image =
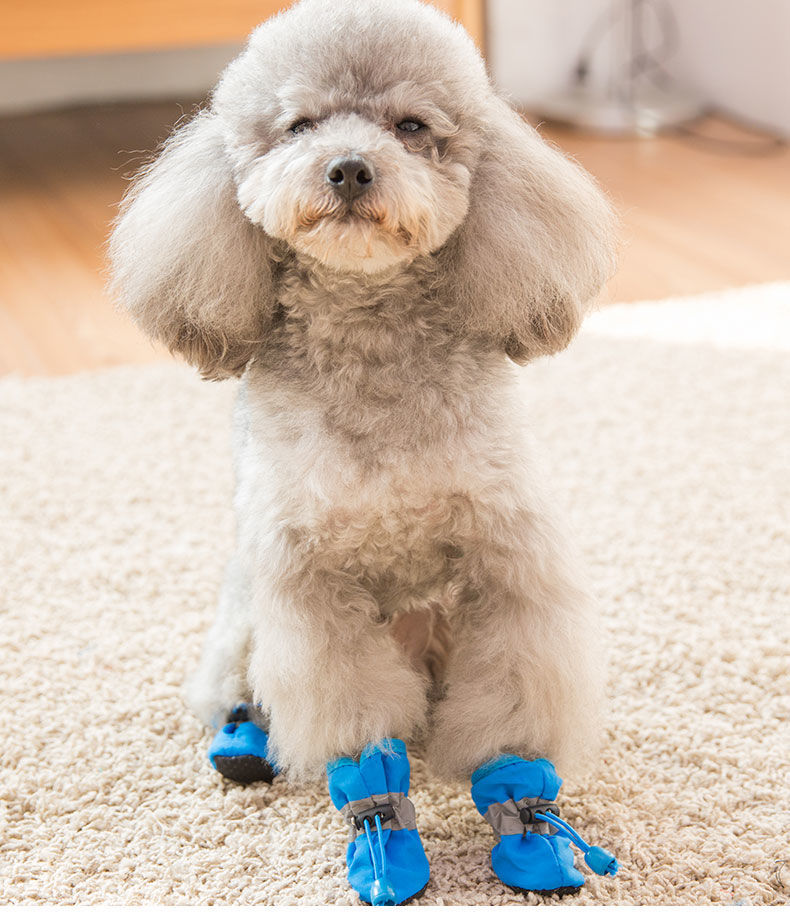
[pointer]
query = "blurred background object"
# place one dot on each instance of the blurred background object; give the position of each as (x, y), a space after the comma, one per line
(719, 55)
(638, 96)
(89, 88)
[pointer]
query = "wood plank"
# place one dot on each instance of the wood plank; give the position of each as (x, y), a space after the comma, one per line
(47, 28)
(471, 14)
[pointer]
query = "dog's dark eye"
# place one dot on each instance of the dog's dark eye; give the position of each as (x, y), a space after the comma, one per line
(410, 125)
(304, 124)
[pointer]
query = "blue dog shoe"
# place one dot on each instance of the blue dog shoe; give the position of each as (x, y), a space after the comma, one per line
(516, 798)
(386, 861)
(240, 749)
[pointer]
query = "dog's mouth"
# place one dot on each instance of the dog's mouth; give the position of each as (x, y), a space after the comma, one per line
(340, 212)
(364, 215)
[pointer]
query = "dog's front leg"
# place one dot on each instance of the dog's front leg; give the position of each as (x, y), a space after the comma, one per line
(327, 669)
(339, 689)
(524, 675)
(523, 685)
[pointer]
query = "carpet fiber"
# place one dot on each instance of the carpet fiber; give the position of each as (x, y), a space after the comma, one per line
(667, 438)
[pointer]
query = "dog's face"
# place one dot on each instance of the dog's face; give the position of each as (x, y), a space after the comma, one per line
(359, 156)
(359, 191)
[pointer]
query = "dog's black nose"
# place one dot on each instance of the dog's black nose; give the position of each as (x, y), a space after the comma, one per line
(350, 176)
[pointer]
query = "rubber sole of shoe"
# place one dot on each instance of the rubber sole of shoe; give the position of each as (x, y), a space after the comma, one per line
(409, 899)
(560, 891)
(244, 769)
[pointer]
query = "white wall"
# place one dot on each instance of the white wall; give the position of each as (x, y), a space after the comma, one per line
(737, 54)
(533, 44)
(734, 54)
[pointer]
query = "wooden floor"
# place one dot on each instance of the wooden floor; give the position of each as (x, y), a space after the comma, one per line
(693, 221)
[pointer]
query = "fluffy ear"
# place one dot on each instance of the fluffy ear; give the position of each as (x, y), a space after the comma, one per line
(186, 262)
(536, 245)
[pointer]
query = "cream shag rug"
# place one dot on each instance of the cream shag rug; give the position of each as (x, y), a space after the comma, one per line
(666, 427)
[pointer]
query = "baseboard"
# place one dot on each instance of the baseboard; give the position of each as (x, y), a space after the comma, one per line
(34, 84)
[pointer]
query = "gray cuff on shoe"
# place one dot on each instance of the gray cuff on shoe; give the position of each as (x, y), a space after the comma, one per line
(506, 819)
(400, 815)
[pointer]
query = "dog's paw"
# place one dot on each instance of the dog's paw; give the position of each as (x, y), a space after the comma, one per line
(240, 750)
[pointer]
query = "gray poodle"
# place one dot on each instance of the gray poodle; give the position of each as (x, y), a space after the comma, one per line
(361, 229)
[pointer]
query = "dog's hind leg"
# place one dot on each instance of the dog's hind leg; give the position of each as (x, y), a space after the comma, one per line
(218, 690)
(220, 681)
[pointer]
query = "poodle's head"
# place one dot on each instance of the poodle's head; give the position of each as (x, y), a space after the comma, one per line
(360, 135)
(353, 130)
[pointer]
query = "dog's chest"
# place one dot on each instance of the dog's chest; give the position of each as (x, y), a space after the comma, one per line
(410, 548)
(376, 378)
(374, 431)
(396, 521)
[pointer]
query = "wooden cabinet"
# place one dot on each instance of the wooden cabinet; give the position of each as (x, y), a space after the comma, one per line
(46, 28)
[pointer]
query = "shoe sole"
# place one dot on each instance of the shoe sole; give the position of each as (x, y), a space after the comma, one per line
(560, 891)
(244, 769)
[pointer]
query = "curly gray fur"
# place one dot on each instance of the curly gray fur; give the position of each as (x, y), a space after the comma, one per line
(398, 567)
